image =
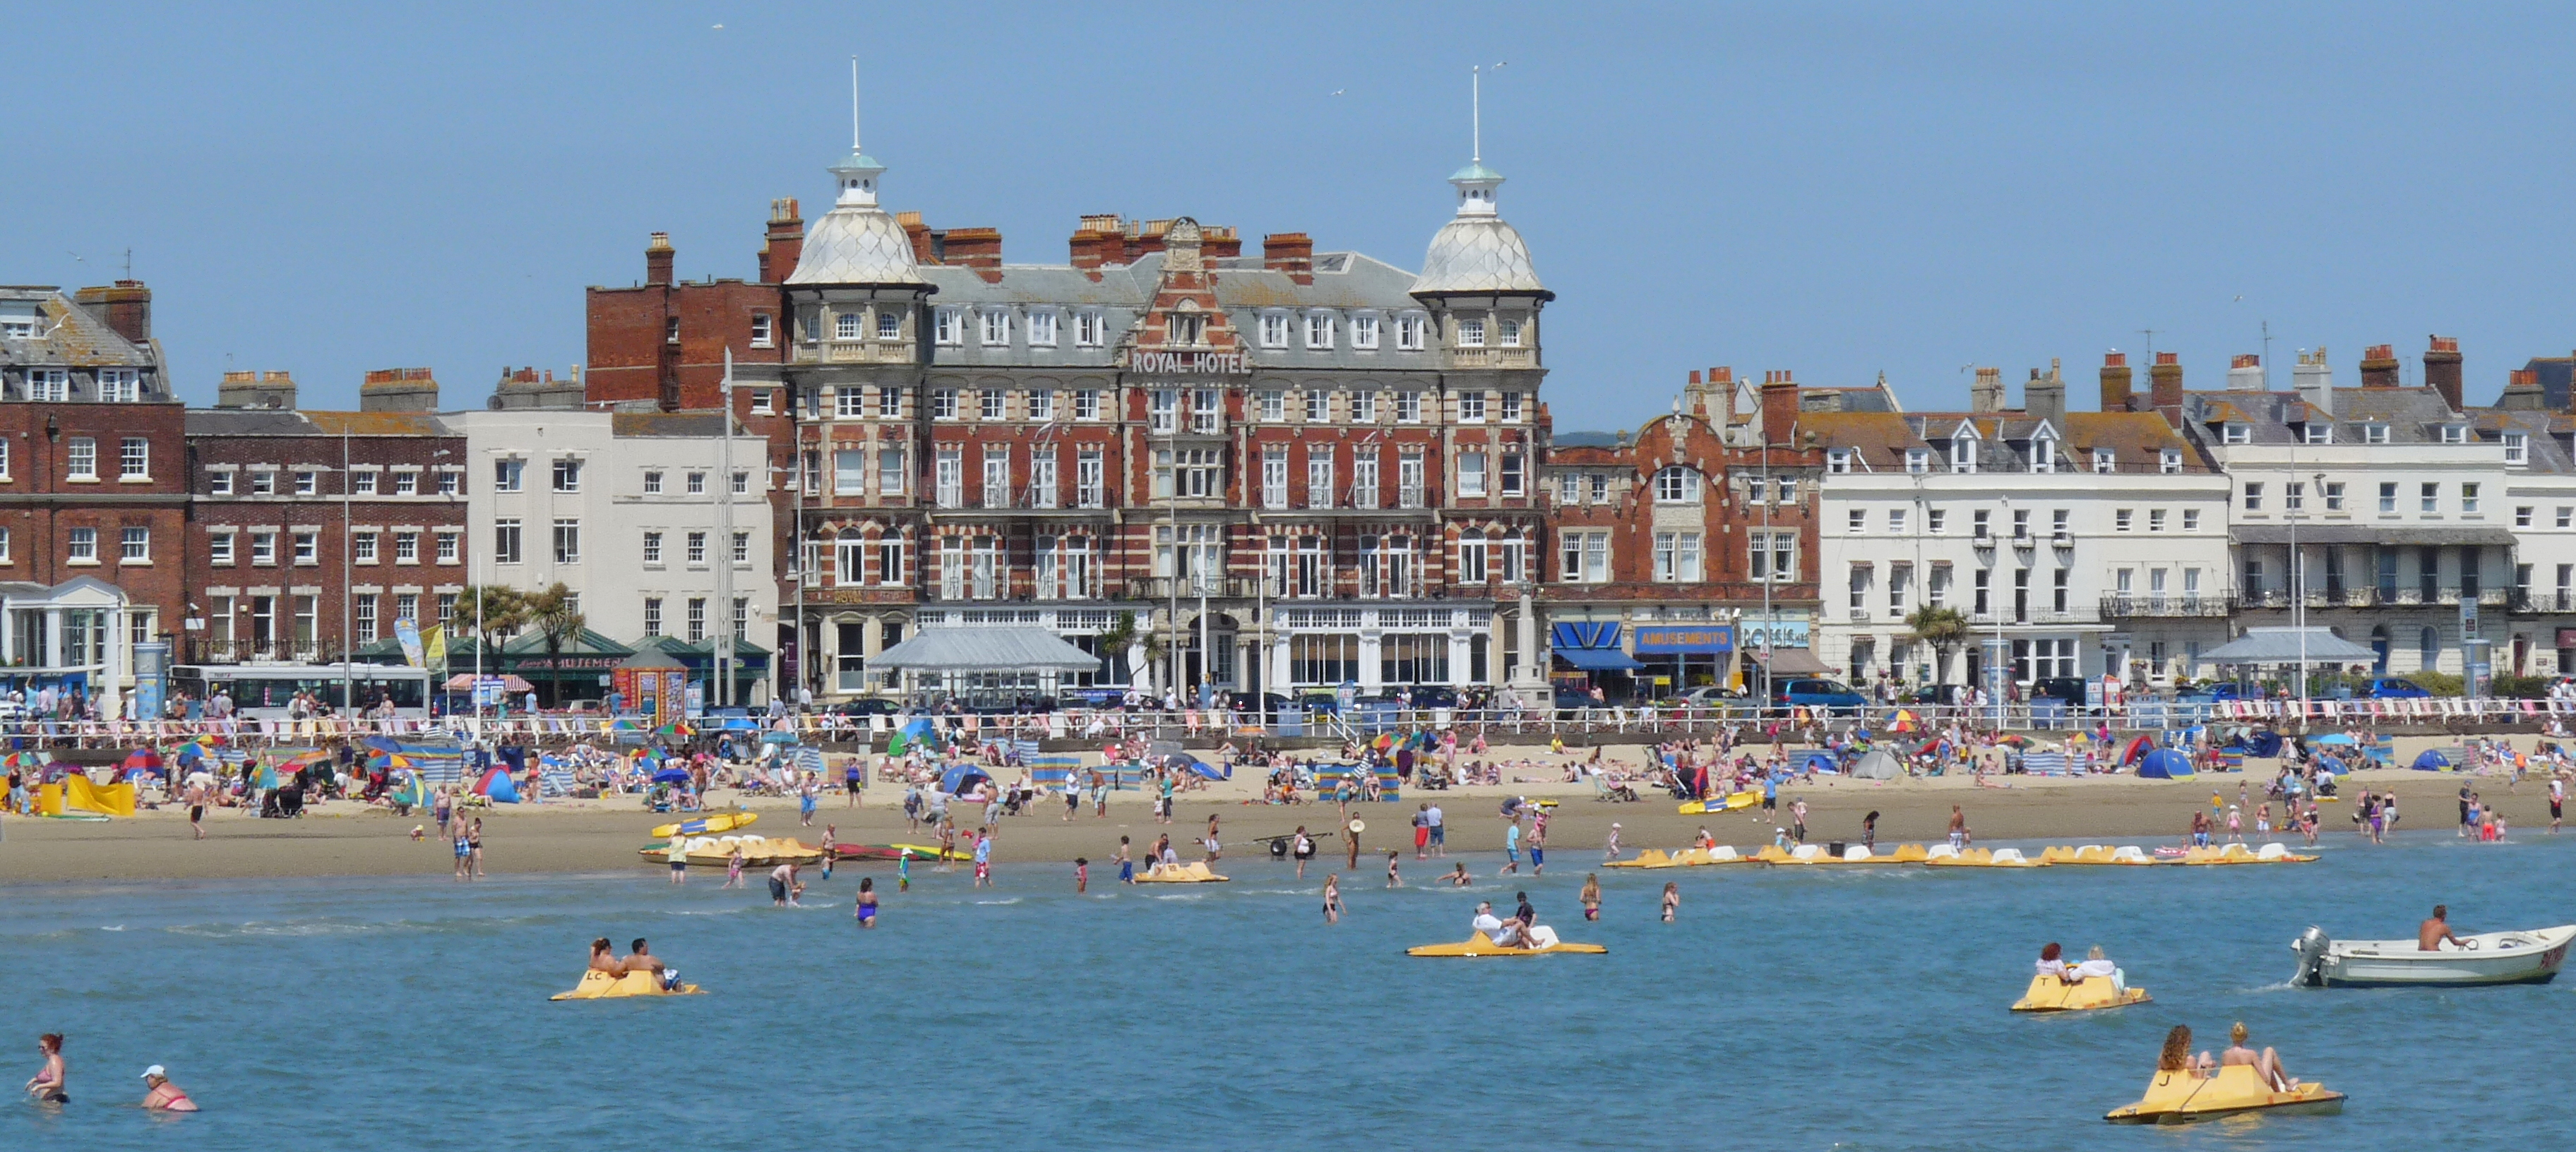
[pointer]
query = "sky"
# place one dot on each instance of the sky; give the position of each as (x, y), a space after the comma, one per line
(1839, 190)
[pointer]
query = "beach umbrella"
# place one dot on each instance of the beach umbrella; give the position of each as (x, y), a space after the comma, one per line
(675, 728)
(385, 762)
(1904, 721)
(141, 760)
(2015, 739)
(670, 776)
(24, 761)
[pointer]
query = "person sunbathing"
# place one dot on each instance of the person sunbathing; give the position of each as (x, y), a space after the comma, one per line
(2266, 1063)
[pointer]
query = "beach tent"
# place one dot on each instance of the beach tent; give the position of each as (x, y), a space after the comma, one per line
(2263, 743)
(1878, 765)
(959, 779)
(2432, 760)
(1819, 761)
(2137, 750)
(2165, 764)
(917, 730)
(496, 784)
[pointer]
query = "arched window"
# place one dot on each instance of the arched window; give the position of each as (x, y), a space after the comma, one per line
(2379, 649)
(1677, 485)
(2428, 648)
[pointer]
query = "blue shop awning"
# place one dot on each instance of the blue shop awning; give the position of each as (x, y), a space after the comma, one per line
(1598, 659)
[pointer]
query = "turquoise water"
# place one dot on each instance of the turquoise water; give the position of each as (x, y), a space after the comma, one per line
(1787, 1009)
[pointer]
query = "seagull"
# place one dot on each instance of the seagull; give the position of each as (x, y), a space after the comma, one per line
(719, 27)
(1339, 91)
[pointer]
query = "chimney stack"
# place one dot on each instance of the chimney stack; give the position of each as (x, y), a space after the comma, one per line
(1779, 406)
(1099, 240)
(2315, 381)
(2044, 397)
(2379, 366)
(1987, 394)
(2442, 369)
(2164, 387)
(256, 390)
(2245, 373)
(1294, 254)
(657, 259)
(2522, 392)
(2116, 392)
(972, 247)
(784, 245)
(125, 307)
(398, 390)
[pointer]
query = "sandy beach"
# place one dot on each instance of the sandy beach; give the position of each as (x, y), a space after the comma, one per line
(342, 838)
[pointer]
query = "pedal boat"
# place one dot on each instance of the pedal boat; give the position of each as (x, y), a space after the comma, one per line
(2050, 994)
(597, 985)
(1942, 855)
(1195, 872)
(2181, 1098)
(1477, 945)
(2126, 854)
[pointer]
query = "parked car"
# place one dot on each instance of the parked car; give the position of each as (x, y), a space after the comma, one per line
(1269, 703)
(1570, 698)
(1321, 702)
(1708, 697)
(1938, 694)
(2066, 688)
(866, 706)
(1807, 692)
(2396, 688)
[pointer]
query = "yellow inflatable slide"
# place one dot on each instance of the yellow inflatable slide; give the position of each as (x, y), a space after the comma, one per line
(77, 794)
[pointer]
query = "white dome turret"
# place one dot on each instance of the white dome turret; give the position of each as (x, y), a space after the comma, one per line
(1476, 251)
(856, 242)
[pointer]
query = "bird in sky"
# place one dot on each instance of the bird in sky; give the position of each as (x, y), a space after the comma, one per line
(1339, 91)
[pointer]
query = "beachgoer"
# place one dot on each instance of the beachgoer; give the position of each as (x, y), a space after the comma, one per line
(2266, 1063)
(779, 879)
(733, 867)
(1394, 879)
(1672, 901)
(1422, 832)
(160, 1095)
(1439, 830)
(2051, 965)
(1081, 875)
(474, 844)
(1798, 820)
(1488, 925)
(2176, 1054)
(1458, 878)
(1333, 898)
(1869, 830)
(642, 959)
(1958, 828)
(1610, 847)
(2430, 934)
(1591, 897)
(1538, 846)
(1126, 864)
(1302, 847)
(903, 870)
(1511, 849)
(464, 852)
(677, 850)
(603, 958)
(983, 858)
(1351, 842)
(867, 906)
(50, 1083)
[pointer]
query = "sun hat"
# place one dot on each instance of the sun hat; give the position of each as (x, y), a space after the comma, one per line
(155, 1070)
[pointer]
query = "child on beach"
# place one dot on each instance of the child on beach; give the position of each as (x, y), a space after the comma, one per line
(1393, 880)
(1081, 875)
(1672, 901)
(1610, 850)
(733, 867)
(1511, 849)
(1591, 897)
(983, 858)
(1126, 866)
(903, 871)
(831, 837)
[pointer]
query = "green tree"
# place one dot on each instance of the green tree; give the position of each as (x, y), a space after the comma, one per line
(490, 610)
(1943, 628)
(555, 614)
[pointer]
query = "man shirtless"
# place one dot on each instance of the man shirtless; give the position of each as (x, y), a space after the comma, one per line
(643, 960)
(2430, 934)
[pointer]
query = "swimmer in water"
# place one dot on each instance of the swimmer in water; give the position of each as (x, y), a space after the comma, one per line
(160, 1095)
(867, 910)
(49, 1081)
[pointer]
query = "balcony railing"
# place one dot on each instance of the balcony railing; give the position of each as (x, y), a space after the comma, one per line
(206, 650)
(2562, 600)
(2152, 604)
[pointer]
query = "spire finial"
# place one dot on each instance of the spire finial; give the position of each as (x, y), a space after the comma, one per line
(1476, 112)
(854, 105)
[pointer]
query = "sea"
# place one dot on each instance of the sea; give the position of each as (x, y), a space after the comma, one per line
(1785, 1009)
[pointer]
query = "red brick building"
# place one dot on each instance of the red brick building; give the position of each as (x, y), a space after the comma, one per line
(314, 532)
(93, 464)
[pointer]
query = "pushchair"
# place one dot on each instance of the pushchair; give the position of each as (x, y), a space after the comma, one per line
(283, 803)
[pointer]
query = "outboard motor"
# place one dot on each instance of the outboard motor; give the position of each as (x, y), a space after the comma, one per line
(2310, 948)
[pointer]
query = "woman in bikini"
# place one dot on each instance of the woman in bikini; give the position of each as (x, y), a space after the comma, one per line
(1333, 898)
(160, 1095)
(1591, 896)
(48, 1083)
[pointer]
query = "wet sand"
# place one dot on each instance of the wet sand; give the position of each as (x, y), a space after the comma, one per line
(339, 839)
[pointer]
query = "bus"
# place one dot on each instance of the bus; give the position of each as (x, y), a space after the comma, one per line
(262, 691)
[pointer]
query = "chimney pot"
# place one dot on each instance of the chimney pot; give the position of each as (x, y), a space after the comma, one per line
(2118, 391)
(2379, 366)
(2164, 387)
(1289, 252)
(2442, 369)
(657, 259)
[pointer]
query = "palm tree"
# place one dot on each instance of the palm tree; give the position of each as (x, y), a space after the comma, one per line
(556, 615)
(1943, 628)
(491, 610)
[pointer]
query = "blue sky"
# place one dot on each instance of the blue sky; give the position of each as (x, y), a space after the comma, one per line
(1837, 189)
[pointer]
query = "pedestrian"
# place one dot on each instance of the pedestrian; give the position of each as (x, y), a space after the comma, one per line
(1798, 820)
(1302, 847)
(1439, 831)
(1958, 828)
(1869, 830)
(983, 858)
(854, 778)
(197, 809)
(1126, 864)
(805, 804)
(1591, 896)
(733, 867)
(1072, 796)
(1393, 880)
(781, 880)
(2557, 801)
(1351, 840)
(1422, 832)
(1672, 901)
(1333, 899)
(903, 870)
(1511, 849)
(866, 912)
(1538, 847)
(464, 852)
(1081, 875)
(475, 842)
(677, 849)
(1610, 848)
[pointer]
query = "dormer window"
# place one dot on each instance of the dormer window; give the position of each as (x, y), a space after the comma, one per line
(1838, 462)
(1676, 485)
(889, 324)
(2319, 433)
(2169, 461)
(951, 329)
(1186, 328)
(1319, 330)
(2455, 433)
(1408, 333)
(1918, 460)
(2043, 455)
(2374, 433)
(1364, 330)
(2236, 433)
(996, 327)
(1274, 329)
(1963, 454)
(2517, 449)
(2105, 460)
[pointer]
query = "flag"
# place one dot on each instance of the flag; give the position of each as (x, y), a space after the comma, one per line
(433, 646)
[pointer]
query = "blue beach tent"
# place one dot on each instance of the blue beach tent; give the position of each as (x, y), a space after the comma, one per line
(2432, 761)
(2165, 764)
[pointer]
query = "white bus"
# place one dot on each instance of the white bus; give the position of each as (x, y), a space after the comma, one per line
(262, 691)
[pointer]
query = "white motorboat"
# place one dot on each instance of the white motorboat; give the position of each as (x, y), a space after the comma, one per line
(2487, 958)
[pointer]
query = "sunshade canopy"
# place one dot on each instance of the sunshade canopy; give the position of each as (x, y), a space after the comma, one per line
(1598, 659)
(1791, 662)
(2283, 646)
(985, 650)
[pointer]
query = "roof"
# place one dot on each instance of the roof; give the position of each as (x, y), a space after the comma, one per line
(379, 424)
(985, 650)
(1880, 440)
(292, 422)
(2412, 415)
(856, 244)
(2285, 646)
(635, 424)
(1477, 254)
(1597, 659)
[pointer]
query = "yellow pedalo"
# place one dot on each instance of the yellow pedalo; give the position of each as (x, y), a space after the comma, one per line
(2181, 1098)
(2049, 994)
(597, 985)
